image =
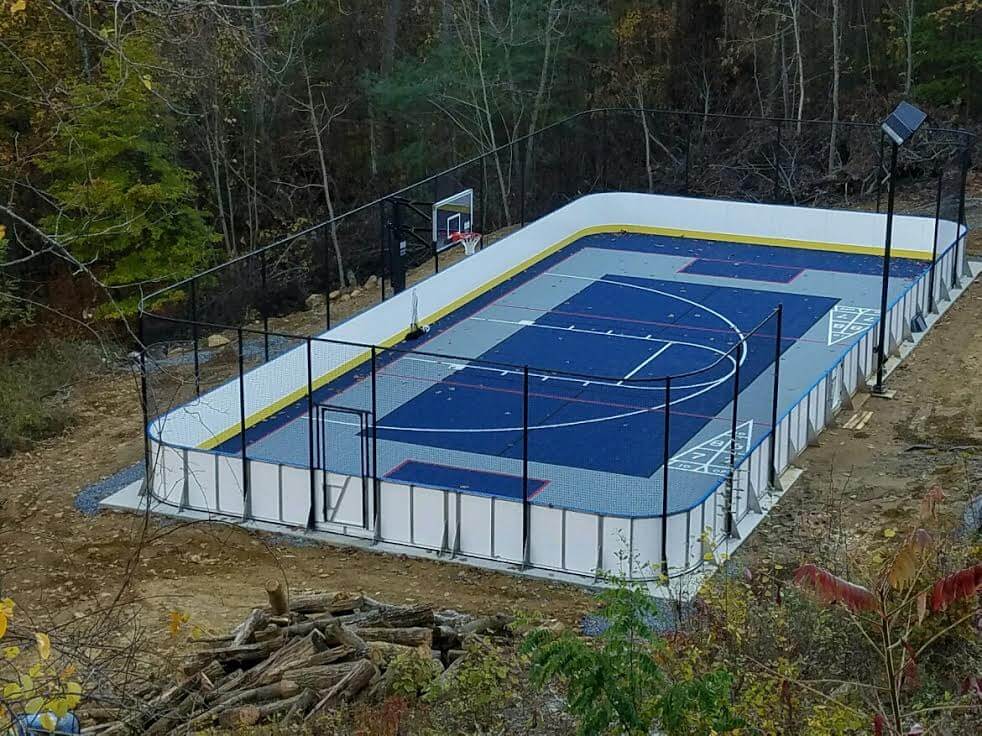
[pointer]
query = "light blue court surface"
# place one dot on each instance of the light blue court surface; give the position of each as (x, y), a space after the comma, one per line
(599, 324)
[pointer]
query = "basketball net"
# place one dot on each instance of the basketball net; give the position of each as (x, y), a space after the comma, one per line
(470, 241)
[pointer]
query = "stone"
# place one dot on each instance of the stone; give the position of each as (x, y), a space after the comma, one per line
(355, 292)
(346, 297)
(334, 294)
(217, 341)
(371, 281)
(314, 301)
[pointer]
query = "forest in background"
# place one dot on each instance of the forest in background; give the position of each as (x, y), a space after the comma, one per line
(143, 141)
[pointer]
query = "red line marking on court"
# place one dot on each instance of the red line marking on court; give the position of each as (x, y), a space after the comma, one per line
(567, 399)
(655, 322)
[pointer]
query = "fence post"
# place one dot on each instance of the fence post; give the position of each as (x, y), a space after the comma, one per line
(144, 394)
(666, 452)
(881, 349)
(879, 174)
(436, 252)
(383, 234)
(376, 487)
(481, 186)
(934, 247)
(777, 161)
(603, 151)
(194, 336)
(960, 242)
(729, 525)
(242, 420)
(521, 207)
(772, 471)
(262, 301)
(688, 151)
(311, 428)
(526, 515)
(327, 280)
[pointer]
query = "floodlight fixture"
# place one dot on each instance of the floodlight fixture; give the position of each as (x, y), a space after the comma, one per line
(903, 122)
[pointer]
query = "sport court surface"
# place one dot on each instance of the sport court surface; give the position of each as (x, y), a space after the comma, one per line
(595, 322)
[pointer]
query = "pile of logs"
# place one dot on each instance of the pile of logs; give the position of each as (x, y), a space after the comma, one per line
(294, 660)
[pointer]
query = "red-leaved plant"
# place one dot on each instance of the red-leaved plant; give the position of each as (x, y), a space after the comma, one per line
(895, 606)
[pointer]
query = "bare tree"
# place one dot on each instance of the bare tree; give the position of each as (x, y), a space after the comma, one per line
(836, 62)
(320, 115)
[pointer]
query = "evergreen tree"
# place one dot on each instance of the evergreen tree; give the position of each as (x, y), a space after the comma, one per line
(125, 207)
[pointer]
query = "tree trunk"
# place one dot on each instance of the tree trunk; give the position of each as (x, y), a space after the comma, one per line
(325, 177)
(835, 84)
(796, 26)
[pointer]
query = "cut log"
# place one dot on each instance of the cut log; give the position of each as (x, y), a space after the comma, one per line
(250, 715)
(278, 691)
(416, 636)
(277, 598)
(175, 716)
(330, 656)
(299, 629)
(301, 706)
(327, 603)
(255, 620)
(445, 637)
(243, 656)
(291, 656)
(135, 722)
(391, 616)
(344, 636)
(497, 625)
(352, 684)
(381, 653)
(322, 677)
(230, 683)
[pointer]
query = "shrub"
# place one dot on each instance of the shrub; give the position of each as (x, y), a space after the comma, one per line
(34, 392)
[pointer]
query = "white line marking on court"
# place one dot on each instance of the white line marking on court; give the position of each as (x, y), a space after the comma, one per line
(608, 333)
(704, 457)
(846, 322)
(697, 305)
(645, 362)
(703, 387)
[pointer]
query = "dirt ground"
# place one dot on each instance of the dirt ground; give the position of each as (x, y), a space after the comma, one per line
(59, 561)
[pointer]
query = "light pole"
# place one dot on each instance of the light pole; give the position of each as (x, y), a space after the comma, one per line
(900, 127)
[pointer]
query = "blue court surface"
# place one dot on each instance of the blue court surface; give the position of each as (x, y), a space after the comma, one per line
(598, 325)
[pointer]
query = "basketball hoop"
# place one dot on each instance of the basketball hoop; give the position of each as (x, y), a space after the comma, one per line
(470, 240)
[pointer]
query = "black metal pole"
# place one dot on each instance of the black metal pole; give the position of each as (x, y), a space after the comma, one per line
(521, 176)
(311, 428)
(144, 394)
(772, 471)
(881, 349)
(934, 246)
(526, 520)
(879, 172)
(960, 242)
(733, 439)
(666, 452)
(194, 336)
(376, 488)
(436, 250)
(242, 417)
(777, 161)
(263, 302)
(481, 196)
(688, 151)
(383, 233)
(327, 282)
(603, 151)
